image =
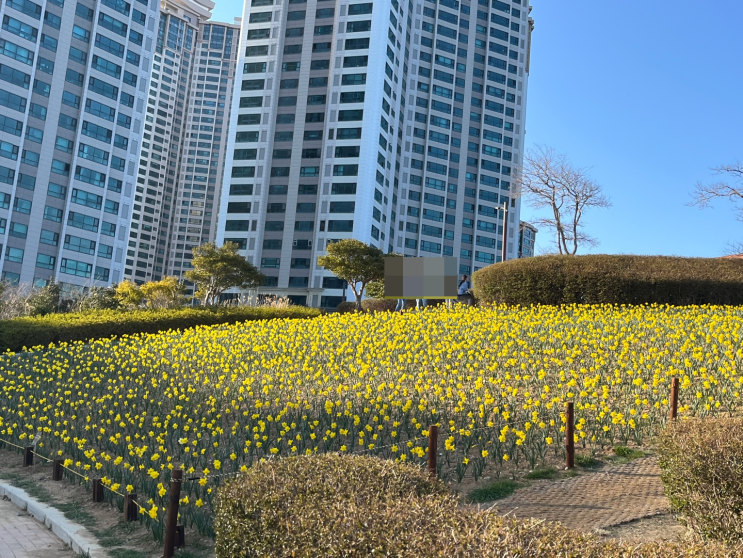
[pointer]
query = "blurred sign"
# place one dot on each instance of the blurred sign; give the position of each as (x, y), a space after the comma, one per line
(420, 277)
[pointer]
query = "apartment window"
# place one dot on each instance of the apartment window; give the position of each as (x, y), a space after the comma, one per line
(360, 9)
(348, 133)
(271, 263)
(260, 17)
(80, 34)
(353, 79)
(49, 237)
(14, 255)
(74, 267)
(355, 61)
(18, 230)
(53, 214)
(77, 244)
(109, 45)
(320, 65)
(95, 178)
(358, 26)
(256, 34)
(16, 77)
(16, 52)
(112, 24)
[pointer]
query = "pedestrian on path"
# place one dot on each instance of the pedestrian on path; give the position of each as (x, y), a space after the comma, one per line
(463, 294)
(400, 305)
(420, 303)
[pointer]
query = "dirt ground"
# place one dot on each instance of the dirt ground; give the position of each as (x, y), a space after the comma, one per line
(120, 539)
(661, 527)
(132, 540)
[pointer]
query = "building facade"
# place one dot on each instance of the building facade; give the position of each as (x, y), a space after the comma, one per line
(183, 148)
(527, 239)
(400, 124)
(73, 90)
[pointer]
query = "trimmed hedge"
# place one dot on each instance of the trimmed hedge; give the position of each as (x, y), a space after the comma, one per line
(347, 306)
(30, 332)
(702, 471)
(603, 279)
(378, 305)
(353, 506)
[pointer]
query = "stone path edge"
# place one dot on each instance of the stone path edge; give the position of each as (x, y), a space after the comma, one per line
(77, 537)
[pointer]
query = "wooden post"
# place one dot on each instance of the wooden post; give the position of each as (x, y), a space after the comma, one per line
(569, 436)
(130, 508)
(57, 470)
(674, 398)
(180, 536)
(433, 448)
(170, 526)
(97, 490)
(28, 456)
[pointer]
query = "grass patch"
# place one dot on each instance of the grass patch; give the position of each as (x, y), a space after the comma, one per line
(73, 512)
(494, 491)
(126, 553)
(587, 462)
(628, 453)
(542, 473)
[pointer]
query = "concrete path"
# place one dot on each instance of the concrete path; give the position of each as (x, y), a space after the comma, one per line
(610, 496)
(21, 536)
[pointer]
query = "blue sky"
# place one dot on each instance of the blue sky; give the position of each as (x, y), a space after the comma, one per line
(650, 96)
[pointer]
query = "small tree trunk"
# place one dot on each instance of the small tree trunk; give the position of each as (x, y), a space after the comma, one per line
(358, 302)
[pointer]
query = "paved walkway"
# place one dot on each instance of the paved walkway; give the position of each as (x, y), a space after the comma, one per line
(21, 536)
(611, 496)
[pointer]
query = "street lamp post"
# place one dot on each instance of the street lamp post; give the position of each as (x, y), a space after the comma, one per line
(505, 229)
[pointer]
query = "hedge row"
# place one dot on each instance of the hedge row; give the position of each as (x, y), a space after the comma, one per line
(602, 279)
(702, 471)
(355, 506)
(30, 332)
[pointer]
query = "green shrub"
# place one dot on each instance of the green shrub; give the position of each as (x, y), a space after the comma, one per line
(603, 279)
(501, 488)
(54, 328)
(353, 506)
(348, 306)
(378, 305)
(628, 453)
(702, 471)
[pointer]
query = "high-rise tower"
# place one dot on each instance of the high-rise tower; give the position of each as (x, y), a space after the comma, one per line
(182, 156)
(398, 124)
(73, 88)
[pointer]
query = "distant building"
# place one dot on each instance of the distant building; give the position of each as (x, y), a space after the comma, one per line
(185, 135)
(527, 238)
(400, 124)
(73, 94)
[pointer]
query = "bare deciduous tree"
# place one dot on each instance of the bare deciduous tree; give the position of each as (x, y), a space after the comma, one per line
(730, 189)
(549, 181)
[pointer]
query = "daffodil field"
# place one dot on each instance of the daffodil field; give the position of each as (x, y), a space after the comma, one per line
(213, 400)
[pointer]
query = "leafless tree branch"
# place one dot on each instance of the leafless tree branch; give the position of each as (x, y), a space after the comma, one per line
(550, 182)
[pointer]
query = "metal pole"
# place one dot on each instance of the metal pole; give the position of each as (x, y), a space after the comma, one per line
(170, 527)
(569, 436)
(674, 397)
(505, 228)
(433, 445)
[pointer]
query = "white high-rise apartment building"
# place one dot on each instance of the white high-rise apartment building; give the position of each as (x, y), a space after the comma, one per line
(183, 147)
(400, 124)
(73, 90)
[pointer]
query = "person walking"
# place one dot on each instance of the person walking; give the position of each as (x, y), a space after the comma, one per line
(463, 294)
(400, 305)
(420, 303)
